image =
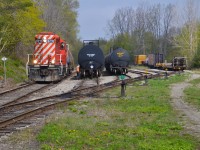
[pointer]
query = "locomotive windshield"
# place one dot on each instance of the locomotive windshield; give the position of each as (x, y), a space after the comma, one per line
(48, 41)
(38, 41)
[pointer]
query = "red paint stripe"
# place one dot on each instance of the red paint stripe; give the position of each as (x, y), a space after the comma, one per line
(48, 51)
(42, 36)
(41, 50)
(45, 56)
(37, 48)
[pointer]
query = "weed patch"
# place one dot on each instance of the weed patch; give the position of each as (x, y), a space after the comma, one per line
(192, 93)
(14, 69)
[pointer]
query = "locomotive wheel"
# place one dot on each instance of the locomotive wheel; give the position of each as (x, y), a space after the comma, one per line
(97, 73)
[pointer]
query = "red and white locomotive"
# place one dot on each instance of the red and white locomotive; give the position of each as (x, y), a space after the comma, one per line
(51, 60)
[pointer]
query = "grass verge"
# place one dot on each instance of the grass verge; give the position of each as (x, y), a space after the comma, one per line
(144, 119)
(15, 70)
(192, 93)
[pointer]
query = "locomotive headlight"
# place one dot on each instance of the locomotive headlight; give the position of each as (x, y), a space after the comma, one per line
(35, 61)
(44, 39)
(53, 61)
(91, 66)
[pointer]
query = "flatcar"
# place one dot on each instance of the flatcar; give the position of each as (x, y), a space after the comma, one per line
(51, 59)
(178, 63)
(91, 59)
(117, 61)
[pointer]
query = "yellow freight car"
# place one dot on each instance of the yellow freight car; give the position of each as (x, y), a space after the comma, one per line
(140, 59)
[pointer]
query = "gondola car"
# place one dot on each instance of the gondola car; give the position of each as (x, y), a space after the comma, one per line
(117, 61)
(51, 59)
(91, 59)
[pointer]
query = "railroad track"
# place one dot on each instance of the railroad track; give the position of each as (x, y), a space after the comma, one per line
(23, 93)
(18, 94)
(15, 89)
(149, 73)
(15, 115)
(27, 93)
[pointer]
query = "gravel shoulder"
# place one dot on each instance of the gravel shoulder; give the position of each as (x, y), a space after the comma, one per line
(190, 115)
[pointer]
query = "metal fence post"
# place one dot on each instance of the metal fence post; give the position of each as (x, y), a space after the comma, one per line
(4, 68)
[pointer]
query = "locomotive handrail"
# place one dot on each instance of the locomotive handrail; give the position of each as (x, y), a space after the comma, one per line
(61, 64)
(27, 72)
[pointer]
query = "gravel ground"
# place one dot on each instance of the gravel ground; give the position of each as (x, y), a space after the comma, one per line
(9, 85)
(64, 87)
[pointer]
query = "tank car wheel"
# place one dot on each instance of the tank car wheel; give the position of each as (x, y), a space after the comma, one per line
(91, 75)
(97, 73)
(69, 71)
(115, 71)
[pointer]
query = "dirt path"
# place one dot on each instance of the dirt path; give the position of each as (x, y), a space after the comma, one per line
(190, 115)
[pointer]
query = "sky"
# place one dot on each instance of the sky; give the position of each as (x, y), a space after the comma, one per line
(93, 15)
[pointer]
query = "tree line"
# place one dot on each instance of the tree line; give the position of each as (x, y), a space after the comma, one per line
(21, 20)
(146, 29)
(158, 28)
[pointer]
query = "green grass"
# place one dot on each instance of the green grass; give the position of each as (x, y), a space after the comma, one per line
(192, 93)
(144, 119)
(15, 70)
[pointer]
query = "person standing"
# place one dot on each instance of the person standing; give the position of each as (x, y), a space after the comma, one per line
(78, 71)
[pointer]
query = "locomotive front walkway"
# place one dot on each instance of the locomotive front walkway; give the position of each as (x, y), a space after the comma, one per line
(190, 115)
